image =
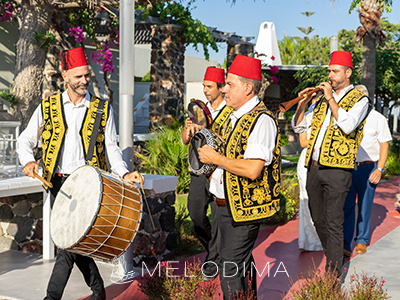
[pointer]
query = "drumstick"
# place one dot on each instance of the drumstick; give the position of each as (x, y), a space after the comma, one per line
(45, 182)
(148, 208)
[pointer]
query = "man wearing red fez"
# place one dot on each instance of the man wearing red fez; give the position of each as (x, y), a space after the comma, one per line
(64, 121)
(199, 197)
(246, 184)
(338, 118)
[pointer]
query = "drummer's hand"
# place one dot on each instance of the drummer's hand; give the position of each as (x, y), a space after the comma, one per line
(208, 155)
(134, 177)
(29, 168)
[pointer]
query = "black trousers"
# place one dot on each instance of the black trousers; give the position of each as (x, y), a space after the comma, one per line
(327, 189)
(237, 263)
(198, 200)
(65, 262)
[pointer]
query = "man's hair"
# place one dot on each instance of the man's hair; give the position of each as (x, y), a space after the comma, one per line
(346, 68)
(220, 85)
(255, 83)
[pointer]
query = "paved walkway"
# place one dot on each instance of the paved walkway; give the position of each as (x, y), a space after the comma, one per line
(25, 276)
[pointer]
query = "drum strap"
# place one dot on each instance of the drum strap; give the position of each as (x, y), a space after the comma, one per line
(93, 138)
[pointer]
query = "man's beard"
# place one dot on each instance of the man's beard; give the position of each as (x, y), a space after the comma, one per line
(81, 92)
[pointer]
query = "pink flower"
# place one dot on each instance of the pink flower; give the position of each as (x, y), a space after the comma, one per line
(274, 69)
(7, 12)
(319, 270)
(103, 56)
(345, 270)
(383, 281)
(274, 79)
(273, 57)
(77, 33)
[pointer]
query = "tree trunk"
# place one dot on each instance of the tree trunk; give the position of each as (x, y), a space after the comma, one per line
(368, 65)
(30, 58)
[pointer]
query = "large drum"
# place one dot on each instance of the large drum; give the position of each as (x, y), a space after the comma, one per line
(95, 214)
(203, 137)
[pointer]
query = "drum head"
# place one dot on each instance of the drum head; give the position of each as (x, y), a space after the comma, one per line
(199, 113)
(76, 205)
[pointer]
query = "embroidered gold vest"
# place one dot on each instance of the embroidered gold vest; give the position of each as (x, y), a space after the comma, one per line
(251, 201)
(338, 150)
(55, 127)
(221, 120)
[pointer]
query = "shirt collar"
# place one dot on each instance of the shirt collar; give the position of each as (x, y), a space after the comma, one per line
(247, 107)
(218, 108)
(85, 101)
(343, 92)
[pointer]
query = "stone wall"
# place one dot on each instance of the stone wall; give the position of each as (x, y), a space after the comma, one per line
(159, 240)
(167, 74)
(21, 222)
(234, 49)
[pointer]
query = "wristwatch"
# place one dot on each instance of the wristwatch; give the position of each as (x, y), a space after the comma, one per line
(380, 169)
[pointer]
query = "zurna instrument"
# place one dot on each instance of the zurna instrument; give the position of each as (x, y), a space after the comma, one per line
(285, 106)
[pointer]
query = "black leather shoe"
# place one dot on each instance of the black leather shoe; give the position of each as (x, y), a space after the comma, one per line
(96, 296)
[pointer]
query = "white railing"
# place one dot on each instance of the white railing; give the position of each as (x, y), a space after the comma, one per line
(8, 156)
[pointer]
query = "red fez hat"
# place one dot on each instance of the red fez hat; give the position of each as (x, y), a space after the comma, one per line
(247, 67)
(73, 58)
(215, 74)
(342, 58)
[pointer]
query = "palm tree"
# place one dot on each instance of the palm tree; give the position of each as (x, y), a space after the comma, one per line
(371, 34)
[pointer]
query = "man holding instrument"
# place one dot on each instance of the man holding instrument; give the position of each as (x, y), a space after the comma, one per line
(64, 124)
(246, 184)
(338, 118)
(199, 197)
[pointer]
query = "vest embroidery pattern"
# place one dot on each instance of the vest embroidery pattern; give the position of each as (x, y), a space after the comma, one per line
(221, 119)
(251, 201)
(54, 129)
(53, 133)
(338, 150)
(99, 159)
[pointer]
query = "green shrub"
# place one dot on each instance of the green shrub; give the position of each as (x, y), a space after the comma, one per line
(393, 164)
(9, 97)
(289, 200)
(284, 140)
(165, 154)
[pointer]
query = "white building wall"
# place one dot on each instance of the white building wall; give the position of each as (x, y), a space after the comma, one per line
(8, 39)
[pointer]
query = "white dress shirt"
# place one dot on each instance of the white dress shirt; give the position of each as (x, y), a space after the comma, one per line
(376, 130)
(215, 112)
(347, 120)
(71, 154)
(260, 144)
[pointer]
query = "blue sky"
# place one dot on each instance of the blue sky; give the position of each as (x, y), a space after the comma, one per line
(244, 18)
